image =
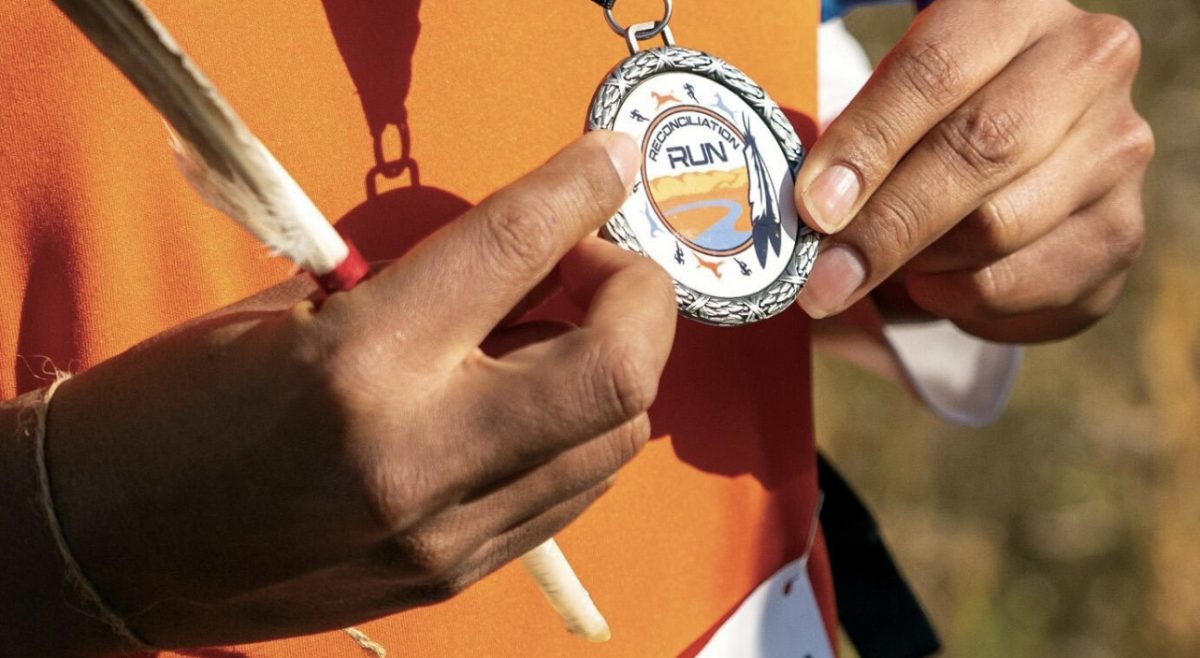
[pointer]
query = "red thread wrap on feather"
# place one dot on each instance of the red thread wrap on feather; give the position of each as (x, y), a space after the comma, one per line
(346, 275)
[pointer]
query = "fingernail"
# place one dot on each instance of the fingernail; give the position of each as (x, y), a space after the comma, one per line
(625, 156)
(831, 196)
(837, 274)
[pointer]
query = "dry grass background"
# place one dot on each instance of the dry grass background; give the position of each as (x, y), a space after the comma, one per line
(1071, 527)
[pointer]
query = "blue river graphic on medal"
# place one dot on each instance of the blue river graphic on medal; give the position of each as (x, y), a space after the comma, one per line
(713, 204)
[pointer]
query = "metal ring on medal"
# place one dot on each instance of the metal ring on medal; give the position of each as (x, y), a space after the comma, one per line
(713, 203)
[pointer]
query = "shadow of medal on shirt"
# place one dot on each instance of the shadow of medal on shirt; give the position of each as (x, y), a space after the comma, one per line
(377, 39)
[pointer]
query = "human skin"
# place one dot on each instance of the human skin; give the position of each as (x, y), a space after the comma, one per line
(990, 173)
(281, 467)
(372, 452)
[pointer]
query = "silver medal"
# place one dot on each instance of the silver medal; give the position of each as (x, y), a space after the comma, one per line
(713, 204)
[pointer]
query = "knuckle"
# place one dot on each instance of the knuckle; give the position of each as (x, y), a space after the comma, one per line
(345, 374)
(518, 231)
(1114, 43)
(627, 440)
(997, 227)
(593, 494)
(398, 494)
(422, 556)
(1083, 313)
(621, 382)
(346, 407)
(1103, 301)
(639, 431)
(875, 138)
(931, 72)
(397, 501)
(1137, 143)
(311, 339)
(446, 587)
(993, 287)
(1096, 310)
(1125, 240)
(593, 195)
(893, 225)
(986, 140)
(656, 285)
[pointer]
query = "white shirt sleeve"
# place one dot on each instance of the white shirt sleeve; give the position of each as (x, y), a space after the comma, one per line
(961, 378)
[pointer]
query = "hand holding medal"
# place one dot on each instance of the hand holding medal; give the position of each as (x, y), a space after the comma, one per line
(731, 174)
(237, 174)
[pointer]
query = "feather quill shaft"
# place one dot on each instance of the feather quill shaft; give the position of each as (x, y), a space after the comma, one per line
(234, 172)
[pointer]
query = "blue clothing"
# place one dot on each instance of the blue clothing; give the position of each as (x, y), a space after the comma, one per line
(831, 9)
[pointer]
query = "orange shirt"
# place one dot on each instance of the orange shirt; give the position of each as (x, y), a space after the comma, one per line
(102, 245)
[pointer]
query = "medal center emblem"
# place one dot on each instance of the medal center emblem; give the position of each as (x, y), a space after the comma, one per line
(697, 179)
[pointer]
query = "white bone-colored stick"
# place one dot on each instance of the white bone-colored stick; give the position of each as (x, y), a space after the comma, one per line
(556, 579)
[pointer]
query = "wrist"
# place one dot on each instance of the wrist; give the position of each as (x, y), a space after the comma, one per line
(45, 611)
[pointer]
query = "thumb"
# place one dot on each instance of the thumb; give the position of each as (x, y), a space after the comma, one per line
(452, 289)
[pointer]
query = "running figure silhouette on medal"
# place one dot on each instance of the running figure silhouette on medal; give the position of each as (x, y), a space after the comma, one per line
(713, 204)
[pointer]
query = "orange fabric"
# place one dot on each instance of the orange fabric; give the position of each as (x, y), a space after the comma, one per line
(103, 245)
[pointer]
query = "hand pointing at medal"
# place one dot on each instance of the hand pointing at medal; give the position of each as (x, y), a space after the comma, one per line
(992, 167)
(276, 469)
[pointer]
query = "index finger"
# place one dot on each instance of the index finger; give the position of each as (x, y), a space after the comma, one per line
(951, 51)
(453, 288)
(1004, 130)
(548, 397)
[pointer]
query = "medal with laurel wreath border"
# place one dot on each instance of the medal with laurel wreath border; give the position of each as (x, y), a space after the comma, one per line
(602, 115)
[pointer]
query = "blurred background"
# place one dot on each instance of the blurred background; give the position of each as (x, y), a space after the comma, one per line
(1071, 527)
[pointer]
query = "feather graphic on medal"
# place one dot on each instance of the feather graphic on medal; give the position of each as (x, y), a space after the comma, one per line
(764, 207)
